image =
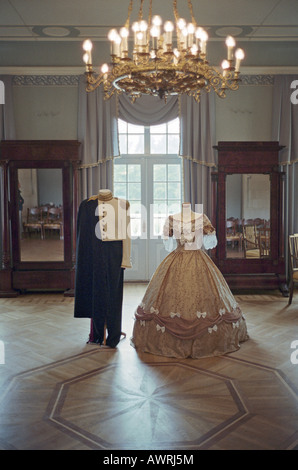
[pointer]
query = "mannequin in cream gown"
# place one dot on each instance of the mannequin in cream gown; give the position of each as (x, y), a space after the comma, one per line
(188, 309)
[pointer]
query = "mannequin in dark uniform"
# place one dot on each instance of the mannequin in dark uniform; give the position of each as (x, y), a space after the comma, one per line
(103, 252)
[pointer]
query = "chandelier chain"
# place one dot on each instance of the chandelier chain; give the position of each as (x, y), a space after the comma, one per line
(191, 12)
(149, 20)
(175, 9)
(141, 10)
(129, 14)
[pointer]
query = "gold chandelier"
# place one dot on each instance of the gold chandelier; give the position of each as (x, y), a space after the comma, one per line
(155, 66)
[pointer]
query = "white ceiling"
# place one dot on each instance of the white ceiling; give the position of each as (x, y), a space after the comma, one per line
(49, 33)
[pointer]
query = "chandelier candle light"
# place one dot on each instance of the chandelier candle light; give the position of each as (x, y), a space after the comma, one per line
(155, 66)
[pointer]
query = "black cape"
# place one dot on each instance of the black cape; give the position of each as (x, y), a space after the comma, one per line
(99, 276)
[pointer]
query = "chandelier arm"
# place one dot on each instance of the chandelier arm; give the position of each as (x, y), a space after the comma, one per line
(93, 83)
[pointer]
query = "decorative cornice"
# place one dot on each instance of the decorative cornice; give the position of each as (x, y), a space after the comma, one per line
(45, 80)
(261, 80)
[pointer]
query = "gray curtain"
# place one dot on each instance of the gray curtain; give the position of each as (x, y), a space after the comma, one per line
(285, 131)
(98, 134)
(196, 146)
(7, 132)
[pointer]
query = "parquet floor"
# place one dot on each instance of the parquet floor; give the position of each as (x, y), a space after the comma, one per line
(58, 393)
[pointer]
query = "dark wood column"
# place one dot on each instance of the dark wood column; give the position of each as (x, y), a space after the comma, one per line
(6, 289)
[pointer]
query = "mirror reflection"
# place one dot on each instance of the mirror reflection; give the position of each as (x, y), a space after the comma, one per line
(248, 216)
(41, 214)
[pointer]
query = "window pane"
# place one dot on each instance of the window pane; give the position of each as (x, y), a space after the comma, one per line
(159, 129)
(158, 224)
(160, 208)
(135, 227)
(174, 207)
(123, 143)
(158, 144)
(122, 126)
(173, 144)
(160, 191)
(160, 173)
(120, 190)
(134, 173)
(135, 144)
(133, 129)
(174, 172)
(120, 173)
(173, 190)
(135, 209)
(173, 126)
(134, 190)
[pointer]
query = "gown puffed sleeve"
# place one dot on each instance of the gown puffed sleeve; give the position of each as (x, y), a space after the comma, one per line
(209, 234)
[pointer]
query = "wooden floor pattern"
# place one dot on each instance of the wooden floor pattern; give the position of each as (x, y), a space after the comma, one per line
(58, 393)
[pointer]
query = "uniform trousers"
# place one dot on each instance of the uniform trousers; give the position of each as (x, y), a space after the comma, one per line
(107, 299)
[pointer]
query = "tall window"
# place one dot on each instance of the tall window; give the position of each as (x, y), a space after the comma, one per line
(149, 173)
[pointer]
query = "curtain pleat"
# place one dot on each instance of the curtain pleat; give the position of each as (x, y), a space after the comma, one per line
(98, 134)
(197, 138)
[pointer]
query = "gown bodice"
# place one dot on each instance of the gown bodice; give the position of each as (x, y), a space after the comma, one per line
(192, 233)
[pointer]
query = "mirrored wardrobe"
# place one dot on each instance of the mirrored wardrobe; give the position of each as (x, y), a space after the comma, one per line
(38, 215)
(248, 214)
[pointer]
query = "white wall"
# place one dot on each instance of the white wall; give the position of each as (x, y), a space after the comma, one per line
(245, 114)
(46, 112)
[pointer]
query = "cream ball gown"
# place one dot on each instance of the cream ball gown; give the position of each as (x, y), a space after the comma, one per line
(188, 309)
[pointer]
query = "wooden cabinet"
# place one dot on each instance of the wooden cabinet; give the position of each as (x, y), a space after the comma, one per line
(248, 215)
(38, 215)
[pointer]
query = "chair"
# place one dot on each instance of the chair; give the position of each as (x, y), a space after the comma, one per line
(34, 221)
(54, 221)
(250, 242)
(293, 262)
(264, 242)
(232, 235)
(44, 212)
(248, 221)
(259, 223)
